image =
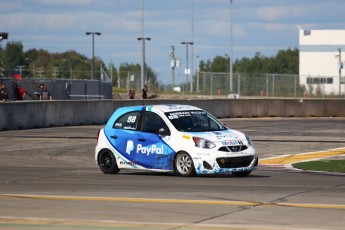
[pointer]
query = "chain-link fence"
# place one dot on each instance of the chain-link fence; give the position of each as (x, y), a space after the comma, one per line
(205, 83)
(129, 79)
(270, 85)
(212, 83)
(132, 79)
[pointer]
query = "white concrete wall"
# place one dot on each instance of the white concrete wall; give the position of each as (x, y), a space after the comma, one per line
(42, 114)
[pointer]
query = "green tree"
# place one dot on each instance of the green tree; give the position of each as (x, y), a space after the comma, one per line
(66, 65)
(38, 61)
(286, 62)
(13, 57)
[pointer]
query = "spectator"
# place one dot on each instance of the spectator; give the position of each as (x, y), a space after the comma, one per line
(40, 91)
(131, 93)
(144, 90)
(3, 93)
(46, 95)
(18, 88)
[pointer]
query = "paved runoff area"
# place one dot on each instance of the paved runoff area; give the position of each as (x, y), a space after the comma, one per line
(49, 180)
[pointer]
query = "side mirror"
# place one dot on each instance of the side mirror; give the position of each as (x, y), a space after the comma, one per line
(164, 132)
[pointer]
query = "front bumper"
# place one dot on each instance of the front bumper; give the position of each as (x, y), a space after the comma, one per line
(225, 164)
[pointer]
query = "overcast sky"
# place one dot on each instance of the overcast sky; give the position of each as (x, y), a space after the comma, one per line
(264, 26)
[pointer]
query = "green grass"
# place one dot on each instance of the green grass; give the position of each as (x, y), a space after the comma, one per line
(322, 165)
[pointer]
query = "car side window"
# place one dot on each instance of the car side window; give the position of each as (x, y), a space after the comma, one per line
(128, 121)
(152, 122)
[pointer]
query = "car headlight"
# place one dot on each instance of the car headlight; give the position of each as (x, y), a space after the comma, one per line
(203, 143)
(250, 142)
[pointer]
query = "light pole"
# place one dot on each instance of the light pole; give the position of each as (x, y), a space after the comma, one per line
(33, 66)
(70, 68)
(192, 50)
(187, 71)
(230, 61)
(143, 63)
(93, 50)
(3, 35)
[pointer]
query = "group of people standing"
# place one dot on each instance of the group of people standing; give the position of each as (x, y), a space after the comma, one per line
(144, 93)
(19, 92)
(43, 93)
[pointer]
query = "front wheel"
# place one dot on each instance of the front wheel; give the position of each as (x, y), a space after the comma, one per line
(241, 174)
(107, 162)
(184, 165)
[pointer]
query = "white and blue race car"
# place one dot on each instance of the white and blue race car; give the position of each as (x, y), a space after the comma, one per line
(172, 138)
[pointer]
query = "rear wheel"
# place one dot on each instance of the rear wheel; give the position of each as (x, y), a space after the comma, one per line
(241, 174)
(184, 165)
(107, 162)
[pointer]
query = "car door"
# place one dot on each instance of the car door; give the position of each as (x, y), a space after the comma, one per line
(152, 151)
(123, 137)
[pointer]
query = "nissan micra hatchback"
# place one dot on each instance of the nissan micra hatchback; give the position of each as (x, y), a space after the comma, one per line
(172, 138)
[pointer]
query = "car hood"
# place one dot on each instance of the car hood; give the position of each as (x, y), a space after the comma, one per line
(225, 135)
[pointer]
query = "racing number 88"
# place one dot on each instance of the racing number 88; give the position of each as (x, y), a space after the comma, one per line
(131, 119)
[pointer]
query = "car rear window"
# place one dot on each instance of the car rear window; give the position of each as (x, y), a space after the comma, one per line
(127, 121)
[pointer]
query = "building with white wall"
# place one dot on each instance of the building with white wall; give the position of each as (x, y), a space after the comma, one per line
(320, 61)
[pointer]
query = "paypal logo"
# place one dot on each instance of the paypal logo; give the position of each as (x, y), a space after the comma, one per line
(130, 147)
(149, 149)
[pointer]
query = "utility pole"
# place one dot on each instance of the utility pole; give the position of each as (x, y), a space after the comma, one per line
(187, 71)
(340, 67)
(111, 70)
(173, 65)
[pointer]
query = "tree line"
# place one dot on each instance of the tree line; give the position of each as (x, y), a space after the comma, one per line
(39, 63)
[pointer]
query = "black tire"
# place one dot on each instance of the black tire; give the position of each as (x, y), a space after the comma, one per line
(241, 174)
(107, 162)
(183, 165)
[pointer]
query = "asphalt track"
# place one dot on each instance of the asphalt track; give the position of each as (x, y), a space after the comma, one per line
(49, 180)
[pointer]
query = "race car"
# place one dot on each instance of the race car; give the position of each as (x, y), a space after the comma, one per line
(182, 139)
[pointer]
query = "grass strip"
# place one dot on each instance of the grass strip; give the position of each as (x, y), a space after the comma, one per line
(322, 165)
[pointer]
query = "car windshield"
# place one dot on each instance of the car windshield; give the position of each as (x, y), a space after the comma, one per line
(194, 121)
